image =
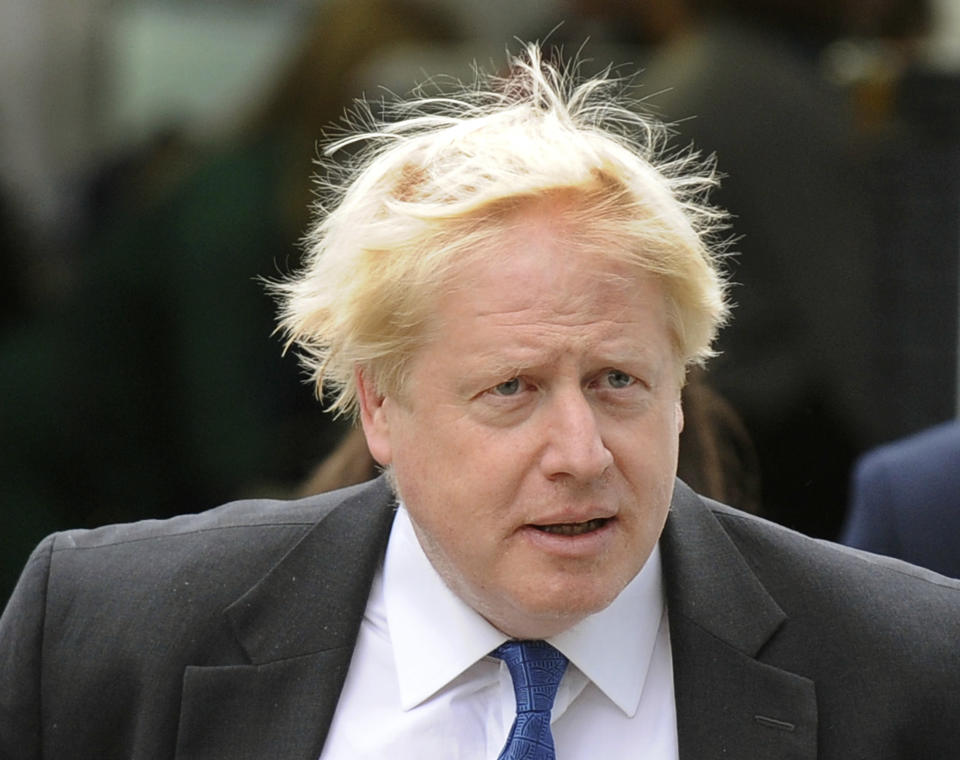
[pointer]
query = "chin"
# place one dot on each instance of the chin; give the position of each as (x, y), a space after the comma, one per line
(540, 621)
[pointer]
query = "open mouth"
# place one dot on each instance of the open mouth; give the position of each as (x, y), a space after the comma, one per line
(573, 529)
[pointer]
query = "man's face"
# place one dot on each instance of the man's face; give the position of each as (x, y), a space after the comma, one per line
(535, 443)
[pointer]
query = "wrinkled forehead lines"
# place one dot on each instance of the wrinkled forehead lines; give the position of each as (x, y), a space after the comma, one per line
(568, 308)
(563, 222)
(557, 336)
(560, 312)
(564, 282)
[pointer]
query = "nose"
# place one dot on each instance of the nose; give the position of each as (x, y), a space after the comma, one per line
(574, 444)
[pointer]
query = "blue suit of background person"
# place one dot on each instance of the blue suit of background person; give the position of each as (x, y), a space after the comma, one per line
(906, 500)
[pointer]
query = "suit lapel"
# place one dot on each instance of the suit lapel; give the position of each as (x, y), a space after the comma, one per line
(729, 703)
(297, 627)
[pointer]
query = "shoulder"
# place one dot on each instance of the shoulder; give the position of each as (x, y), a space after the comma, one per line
(99, 614)
(250, 518)
(877, 636)
(932, 450)
(761, 539)
(823, 584)
(210, 554)
(905, 497)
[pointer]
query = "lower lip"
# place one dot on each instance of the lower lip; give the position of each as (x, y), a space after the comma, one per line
(577, 546)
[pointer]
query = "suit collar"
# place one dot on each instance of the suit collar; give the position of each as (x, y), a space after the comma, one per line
(310, 601)
(729, 703)
(710, 582)
(297, 626)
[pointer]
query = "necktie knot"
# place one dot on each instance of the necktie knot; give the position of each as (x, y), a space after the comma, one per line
(536, 669)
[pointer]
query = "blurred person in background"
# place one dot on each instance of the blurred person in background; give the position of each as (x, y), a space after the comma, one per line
(905, 500)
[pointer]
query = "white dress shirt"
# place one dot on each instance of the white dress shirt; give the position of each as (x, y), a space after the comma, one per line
(421, 684)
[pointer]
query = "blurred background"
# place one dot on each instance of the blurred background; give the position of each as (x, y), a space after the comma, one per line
(155, 161)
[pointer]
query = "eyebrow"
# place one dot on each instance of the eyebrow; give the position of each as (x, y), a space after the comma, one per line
(495, 365)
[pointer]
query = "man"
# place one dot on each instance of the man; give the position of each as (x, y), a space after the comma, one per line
(906, 500)
(508, 293)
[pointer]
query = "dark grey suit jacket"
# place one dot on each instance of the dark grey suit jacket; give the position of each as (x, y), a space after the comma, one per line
(228, 635)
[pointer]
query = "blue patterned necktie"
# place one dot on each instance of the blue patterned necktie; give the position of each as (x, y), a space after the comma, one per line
(536, 669)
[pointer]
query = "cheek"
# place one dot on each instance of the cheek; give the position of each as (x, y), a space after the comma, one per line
(646, 452)
(479, 458)
(436, 464)
(465, 491)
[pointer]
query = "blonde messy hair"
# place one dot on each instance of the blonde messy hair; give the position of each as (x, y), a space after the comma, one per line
(434, 183)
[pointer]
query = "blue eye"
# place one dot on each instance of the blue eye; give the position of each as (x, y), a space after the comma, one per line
(509, 388)
(618, 379)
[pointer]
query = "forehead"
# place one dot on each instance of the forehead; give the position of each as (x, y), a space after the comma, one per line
(543, 240)
(532, 286)
(540, 256)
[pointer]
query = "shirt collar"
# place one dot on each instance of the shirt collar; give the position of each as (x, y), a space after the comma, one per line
(436, 636)
(613, 647)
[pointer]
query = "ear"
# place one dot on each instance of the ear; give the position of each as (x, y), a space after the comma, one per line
(679, 417)
(374, 417)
